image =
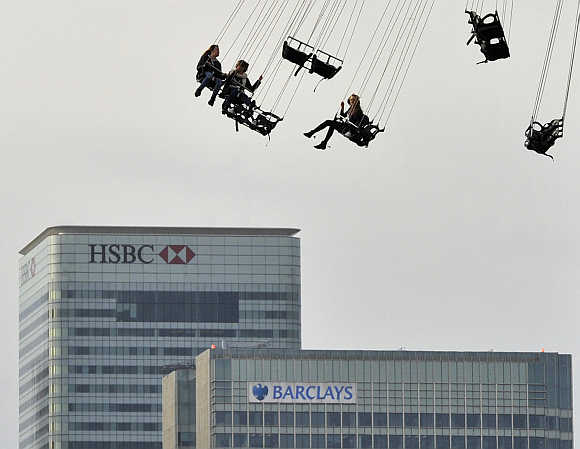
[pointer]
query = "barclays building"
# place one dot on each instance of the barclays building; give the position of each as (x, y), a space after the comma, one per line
(239, 398)
(104, 311)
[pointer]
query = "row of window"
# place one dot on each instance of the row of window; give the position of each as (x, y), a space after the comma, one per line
(114, 407)
(114, 426)
(169, 296)
(378, 419)
(111, 388)
(114, 445)
(32, 308)
(116, 369)
(224, 440)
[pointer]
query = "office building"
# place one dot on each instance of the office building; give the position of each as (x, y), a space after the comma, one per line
(104, 310)
(371, 399)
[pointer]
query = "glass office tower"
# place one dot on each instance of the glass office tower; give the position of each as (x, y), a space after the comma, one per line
(372, 399)
(104, 309)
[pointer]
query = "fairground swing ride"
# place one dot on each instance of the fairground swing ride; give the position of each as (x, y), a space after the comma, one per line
(281, 41)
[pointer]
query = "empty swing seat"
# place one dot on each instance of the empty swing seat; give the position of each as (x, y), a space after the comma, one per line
(324, 69)
(295, 55)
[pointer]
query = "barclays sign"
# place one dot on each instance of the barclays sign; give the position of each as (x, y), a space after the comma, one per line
(302, 393)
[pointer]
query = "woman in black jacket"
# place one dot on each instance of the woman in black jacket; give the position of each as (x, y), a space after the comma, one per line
(355, 116)
(209, 70)
(236, 82)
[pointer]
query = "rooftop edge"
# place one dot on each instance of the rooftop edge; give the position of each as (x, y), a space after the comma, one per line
(156, 230)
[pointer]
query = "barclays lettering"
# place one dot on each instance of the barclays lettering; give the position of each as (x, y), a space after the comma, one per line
(323, 393)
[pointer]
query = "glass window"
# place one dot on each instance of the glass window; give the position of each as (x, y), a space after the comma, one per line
(333, 441)
(552, 422)
(488, 421)
(395, 441)
(348, 419)
(473, 421)
(270, 419)
(427, 441)
(271, 440)
(302, 419)
(240, 440)
(504, 442)
(474, 442)
(537, 443)
(364, 419)
(302, 440)
(520, 422)
(223, 440)
(442, 441)
(349, 441)
(504, 421)
(286, 440)
(240, 418)
(520, 443)
(379, 419)
(395, 420)
(457, 420)
(256, 440)
(255, 420)
(223, 418)
(380, 441)
(565, 424)
(317, 419)
(442, 420)
(537, 422)
(489, 443)
(333, 419)
(427, 419)
(411, 420)
(412, 442)
(318, 440)
(365, 441)
(287, 419)
(457, 442)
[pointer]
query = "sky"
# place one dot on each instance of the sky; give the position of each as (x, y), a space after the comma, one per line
(444, 234)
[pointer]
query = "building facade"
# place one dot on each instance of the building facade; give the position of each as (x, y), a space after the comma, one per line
(104, 310)
(372, 399)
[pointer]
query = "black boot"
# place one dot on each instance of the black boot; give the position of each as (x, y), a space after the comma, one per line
(321, 146)
(308, 134)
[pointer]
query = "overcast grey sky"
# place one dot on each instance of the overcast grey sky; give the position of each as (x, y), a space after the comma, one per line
(446, 234)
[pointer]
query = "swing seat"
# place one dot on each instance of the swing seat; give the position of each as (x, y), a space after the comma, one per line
(488, 33)
(362, 134)
(295, 55)
(324, 69)
(540, 138)
(265, 122)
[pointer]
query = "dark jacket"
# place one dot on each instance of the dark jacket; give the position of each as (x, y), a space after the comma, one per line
(358, 118)
(234, 79)
(206, 64)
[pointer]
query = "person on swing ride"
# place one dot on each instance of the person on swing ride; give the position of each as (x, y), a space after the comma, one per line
(209, 71)
(355, 118)
(236, 82)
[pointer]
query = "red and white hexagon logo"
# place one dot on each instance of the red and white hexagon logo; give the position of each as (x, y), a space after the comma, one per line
(177, 254)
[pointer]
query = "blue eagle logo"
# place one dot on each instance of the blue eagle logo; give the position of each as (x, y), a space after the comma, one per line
(260, 392)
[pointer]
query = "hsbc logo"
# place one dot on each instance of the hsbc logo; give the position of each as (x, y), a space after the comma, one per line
(177, 254)
(122, 253)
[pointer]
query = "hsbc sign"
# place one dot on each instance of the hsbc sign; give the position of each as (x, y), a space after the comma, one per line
(125, 253)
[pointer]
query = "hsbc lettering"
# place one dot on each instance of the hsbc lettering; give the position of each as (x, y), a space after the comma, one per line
(121, 253)
(125, 253)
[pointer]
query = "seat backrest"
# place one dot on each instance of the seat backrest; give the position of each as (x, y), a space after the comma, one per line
(323, 69)
(293, 55)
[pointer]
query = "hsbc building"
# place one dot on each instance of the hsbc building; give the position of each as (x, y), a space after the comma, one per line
(105, 311)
